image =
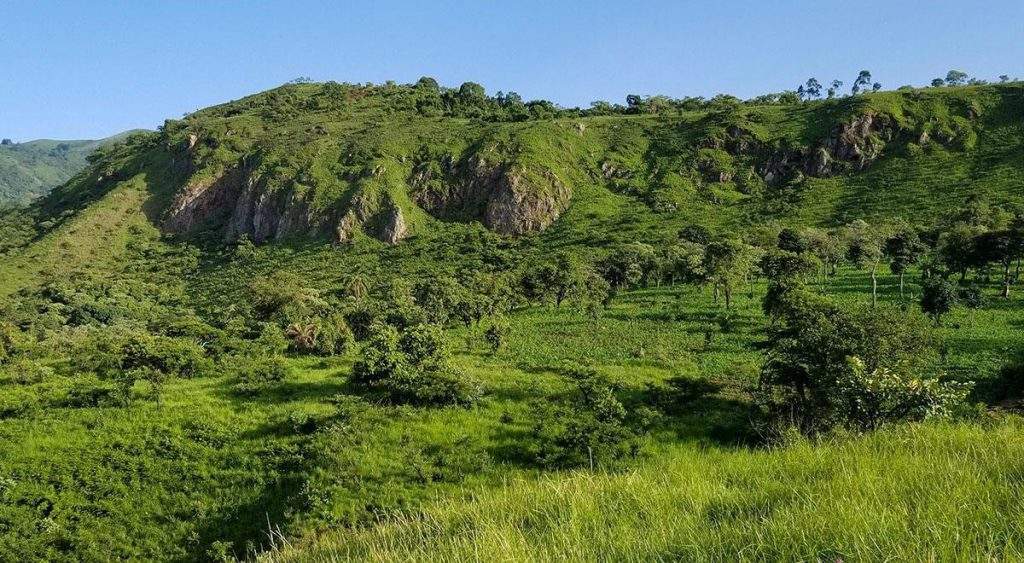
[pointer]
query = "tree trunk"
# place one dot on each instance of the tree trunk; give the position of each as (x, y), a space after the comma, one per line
(716, 293)
(1006, 279)
(728, 297)
(874, 286)
(902, 274)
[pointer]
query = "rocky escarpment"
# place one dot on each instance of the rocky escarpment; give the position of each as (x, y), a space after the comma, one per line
(852, 145)
(505, 198)
(238, 204)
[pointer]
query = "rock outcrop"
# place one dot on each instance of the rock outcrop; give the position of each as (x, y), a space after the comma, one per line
(855, 144)
(516, 207)
(394, 228)
(499, 195)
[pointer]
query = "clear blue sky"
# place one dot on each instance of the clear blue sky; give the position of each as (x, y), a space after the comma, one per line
(86, 69)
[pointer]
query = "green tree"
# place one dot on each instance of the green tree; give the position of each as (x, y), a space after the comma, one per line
(728, 264)
(865, 249)
(903, 248)
(956, 78)
(938, 297)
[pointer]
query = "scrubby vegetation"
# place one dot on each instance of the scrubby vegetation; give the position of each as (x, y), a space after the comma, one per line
(752, 326)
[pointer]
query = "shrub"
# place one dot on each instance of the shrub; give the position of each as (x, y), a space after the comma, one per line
(588, 429)
(334, 338)
(971, 296)
(496, 334)
(938, 297)
(411, 366)
(257, 374)
(88, 393)
(868, 399)
(829, 367)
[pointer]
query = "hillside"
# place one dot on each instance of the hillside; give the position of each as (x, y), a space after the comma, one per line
(33, 168)
(394, 322)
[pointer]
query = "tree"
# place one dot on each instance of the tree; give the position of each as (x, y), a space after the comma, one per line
(792, 240)
(728, 264)
(695, 233)
(876, 86)
(628, 264)
(958, 249)
(829, 366)
(427, 83)
(863, 79)
(411, 365)
(471, 91)
(496, 334)
(865, 249)
(6, 142)
(634, 103)
(1003, 246)
(813, 88)
(938, 297)
(938, 82)
(903, 248)
(1004, 78)
(827, 247)
(684, 261)
(956, 78)
(834, 88)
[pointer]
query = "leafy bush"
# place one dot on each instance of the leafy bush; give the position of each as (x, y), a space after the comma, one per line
(867, 399)
(588, 429)
(411, 366)
(830, 367)
(496, 334)
(254, 375)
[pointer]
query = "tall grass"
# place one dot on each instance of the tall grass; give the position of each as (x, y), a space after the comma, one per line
(920, 492)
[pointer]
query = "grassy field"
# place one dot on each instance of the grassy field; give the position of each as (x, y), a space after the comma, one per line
(207, 470)
(925, 492)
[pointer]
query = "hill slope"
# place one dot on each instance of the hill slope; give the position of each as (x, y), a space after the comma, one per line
(33, 168)
(188, 325)
(333, 163)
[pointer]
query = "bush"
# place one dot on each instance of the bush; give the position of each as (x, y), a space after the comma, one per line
(254, 375)
(88, 393)
(496, 334)
(335, 338)
(868, 399)
(971, 296)
(829, 367)
(588, 429)
(411, 366)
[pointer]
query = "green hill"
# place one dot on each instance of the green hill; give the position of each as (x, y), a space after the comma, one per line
(334, 163)
(33, 168)
(394, 322)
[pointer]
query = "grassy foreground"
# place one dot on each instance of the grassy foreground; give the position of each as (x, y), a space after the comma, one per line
(922, 492)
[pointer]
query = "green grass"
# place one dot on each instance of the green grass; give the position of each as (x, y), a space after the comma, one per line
(207, 470)
(921, 492)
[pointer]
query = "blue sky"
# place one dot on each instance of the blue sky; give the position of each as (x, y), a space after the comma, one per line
(77, 69)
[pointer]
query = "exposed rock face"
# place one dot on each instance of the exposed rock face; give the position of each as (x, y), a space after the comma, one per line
(394, 228)
(857, 143)
(347, 227)
(239, 204)
(205, 202)
(516, 208)
(498, 195)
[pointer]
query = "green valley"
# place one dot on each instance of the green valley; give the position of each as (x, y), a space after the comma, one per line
(409, 322)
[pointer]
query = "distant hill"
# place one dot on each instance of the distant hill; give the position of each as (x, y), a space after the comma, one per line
(33, 168)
